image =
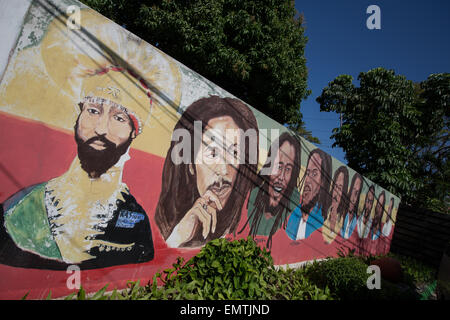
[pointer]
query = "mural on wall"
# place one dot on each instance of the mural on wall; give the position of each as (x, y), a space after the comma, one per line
(339, 199)
(276, 194)
(353, 196)
(202, 197)
(311, 212)
(87, 216)
(389, 218)
(120, 157)
(365, 217)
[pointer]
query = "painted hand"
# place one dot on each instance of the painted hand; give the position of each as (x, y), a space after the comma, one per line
(204, 211)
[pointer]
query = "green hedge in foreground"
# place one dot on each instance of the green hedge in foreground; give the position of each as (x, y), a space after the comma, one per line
(240, 269)
(230, 270)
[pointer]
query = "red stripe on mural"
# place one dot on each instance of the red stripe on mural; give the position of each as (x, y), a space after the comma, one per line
(31, 153)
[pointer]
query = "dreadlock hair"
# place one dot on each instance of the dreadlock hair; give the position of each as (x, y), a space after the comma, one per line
(371, 191)
(179, 186)
(343, 204)
(356, 176)
(262, 197)
(324, 194)
(377, 220)
(390, 209)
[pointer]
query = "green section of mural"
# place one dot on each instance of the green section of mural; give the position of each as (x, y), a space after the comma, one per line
(27, 223)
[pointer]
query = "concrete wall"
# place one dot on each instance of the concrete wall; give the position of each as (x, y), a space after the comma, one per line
(117, 159)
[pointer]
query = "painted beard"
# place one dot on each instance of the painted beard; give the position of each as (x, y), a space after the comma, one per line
(280, 206)
(307, 206)
(269, 208)
(274, 210)
(352, 208)
(97, 162)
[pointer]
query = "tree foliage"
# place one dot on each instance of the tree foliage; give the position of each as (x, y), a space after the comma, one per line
(395, 132)
(253, 49)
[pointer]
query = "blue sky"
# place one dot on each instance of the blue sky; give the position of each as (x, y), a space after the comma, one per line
(414, 40)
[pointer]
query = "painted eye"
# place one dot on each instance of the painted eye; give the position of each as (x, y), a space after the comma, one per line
(119, 118)
(93, 111)
(212, 153)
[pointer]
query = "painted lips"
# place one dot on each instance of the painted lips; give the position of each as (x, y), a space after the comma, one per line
(98, 145)
(278, 188)
(221, 190)
(306, 189)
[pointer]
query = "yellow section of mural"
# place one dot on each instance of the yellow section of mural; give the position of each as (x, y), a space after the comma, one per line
(45, 82)
(79, 201)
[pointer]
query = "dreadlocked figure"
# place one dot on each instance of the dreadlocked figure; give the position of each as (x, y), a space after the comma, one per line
(277, 194)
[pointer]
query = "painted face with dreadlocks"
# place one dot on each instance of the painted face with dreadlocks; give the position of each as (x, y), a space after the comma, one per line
(379, 210)
(369, 203)
(312, 183)
(336, 198)
(281, 174)
(354, 196)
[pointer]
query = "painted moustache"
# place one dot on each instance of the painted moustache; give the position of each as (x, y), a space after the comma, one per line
(221, 189)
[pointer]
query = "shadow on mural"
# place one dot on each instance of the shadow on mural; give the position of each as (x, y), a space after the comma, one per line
(115, 154)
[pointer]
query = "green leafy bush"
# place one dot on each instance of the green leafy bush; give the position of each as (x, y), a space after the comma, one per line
(240, 269)
(237, 269)
(346, 277)
(416, 271)
(415, 274)
(223, 269)
(292, 284)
